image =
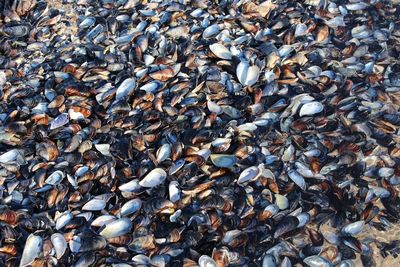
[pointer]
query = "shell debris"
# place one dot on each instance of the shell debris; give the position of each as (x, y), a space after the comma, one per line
(199, 133)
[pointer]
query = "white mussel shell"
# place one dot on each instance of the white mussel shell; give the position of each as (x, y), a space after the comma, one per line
(59, 121)
(297, 179)
(356, 6)
(214, 107)
(223, 160)
(131, 207)
(153, 178)
(63, 220)
(75, 115)
(221, 142)
(247, 75)
(311, 108)
(303, 218)
(95, 205)
(247, 127)
(353, 228)
(207, 261)
(152, 86)
(301, 29)
(117, 228)
(211, 31)
(55, 178)
(281, 201)
(131, 186)
(176, 166)
(103, 220)
(249, 174)
(204, 153)
(232, 112)
(163, 152)
(230, 235)
(32, 249)
(174, 191)
(103, 149)
(385, 172)
(87, 22)
(269, 261)
(221, 51)
(317, 261)
(10, 156)
(59, 244)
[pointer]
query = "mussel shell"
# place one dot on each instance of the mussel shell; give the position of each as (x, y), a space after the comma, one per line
(153, 178)
(116, 228)
(223, 160)
(287, 224)
(32, 249)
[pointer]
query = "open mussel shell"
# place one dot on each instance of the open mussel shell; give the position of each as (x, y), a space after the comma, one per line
(130, 207)
(12, 156)
(297, 179)
(95, 205)
(249, 174)
(116, 228)
(281, 201)
(153, 178)
(247, 75)
(59, 121)
(176, 166)
(125, 89)
(207, 261)
(63, 220)
(303, 218)
(86, 243)
(353, 229)
(221, 51)
(55, 178)
(32, 249)
(87, 22)
(103, 149)
(131, 186)
(163, 152)
(214, 107)
(314, 261)
(268, 260)
(59, 243)
(286, 225)
(311, 108)
(223, 160)
(211, 30)
(174, 191)
(103, 220)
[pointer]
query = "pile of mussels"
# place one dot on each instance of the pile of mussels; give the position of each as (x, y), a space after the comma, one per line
(198, 133)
